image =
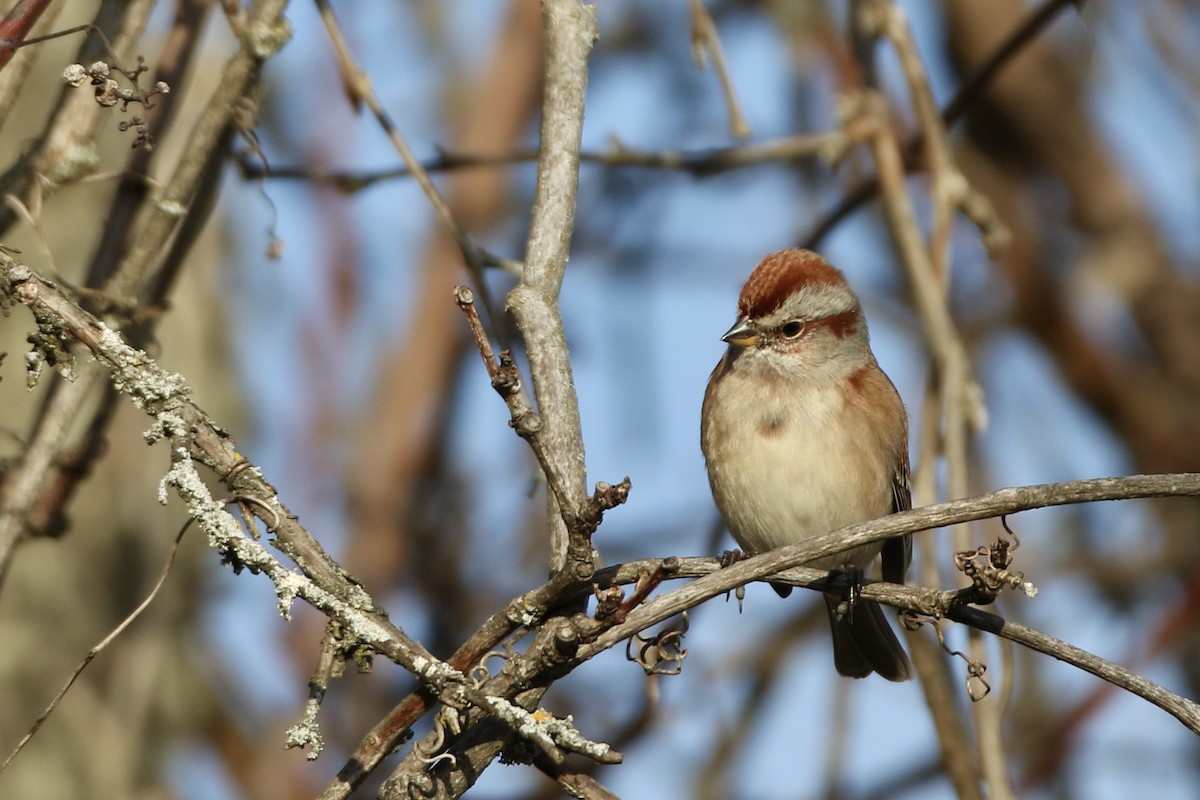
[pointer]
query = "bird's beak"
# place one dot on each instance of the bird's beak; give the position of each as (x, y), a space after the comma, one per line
(742, 334)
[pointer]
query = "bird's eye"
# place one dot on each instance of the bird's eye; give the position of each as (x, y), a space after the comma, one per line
(792, 329)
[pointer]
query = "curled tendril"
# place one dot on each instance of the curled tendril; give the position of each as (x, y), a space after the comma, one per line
(662, 653)
(988, 569)
(480, 673)
(431, 756)
(976, 685)
(1010, 531)
(272, 523)
(975, 679)
(239, 466)
(1002, 550)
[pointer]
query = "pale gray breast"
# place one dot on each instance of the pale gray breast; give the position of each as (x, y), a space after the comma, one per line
(783, 472)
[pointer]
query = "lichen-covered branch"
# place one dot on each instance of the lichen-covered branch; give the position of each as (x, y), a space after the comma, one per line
(195, 437)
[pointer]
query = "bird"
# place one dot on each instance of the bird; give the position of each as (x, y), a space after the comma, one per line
(803, 433)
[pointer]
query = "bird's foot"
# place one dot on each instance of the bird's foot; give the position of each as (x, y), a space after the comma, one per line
(730, 557)
(854, 585)
(727, 559)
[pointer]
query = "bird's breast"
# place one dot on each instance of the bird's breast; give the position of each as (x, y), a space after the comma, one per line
(788, 465)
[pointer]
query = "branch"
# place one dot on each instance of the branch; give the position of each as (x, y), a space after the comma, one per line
(16, 25)
(164, 396)
(931, 602)
(362, 92)
(701, 163)
(570, 32)
(581, 522)
(1184, 710)
(968, 91)
(923, 601)
(706, 41)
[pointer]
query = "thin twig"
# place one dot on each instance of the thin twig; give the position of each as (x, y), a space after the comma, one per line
(968, 91)
(927, 265)
(1183, 709)
(330, 662)
(101, 645)
(701, 163)
(506, 380)
(360, 89)
(707, 41)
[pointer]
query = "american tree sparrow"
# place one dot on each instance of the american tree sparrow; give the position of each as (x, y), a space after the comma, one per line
(803, 433)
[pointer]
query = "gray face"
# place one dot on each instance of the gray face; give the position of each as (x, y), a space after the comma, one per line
(816, 330)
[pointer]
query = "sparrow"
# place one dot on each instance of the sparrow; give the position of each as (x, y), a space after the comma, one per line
(803, 433)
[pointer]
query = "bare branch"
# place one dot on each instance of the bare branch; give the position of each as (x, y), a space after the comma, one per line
(1028, 31)
(101, 645)
(361, 92)
(706, 41)
(570, 32)
(194, 436)
(717, 581)
(701, 163)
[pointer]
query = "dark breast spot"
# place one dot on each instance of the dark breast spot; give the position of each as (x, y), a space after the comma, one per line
(772, 424)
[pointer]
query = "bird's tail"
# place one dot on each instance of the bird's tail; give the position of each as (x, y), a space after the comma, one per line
(863, 642)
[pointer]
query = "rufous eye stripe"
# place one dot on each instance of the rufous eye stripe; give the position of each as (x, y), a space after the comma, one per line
(840, 325)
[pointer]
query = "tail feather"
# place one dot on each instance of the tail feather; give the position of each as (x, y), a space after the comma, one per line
(863, 642)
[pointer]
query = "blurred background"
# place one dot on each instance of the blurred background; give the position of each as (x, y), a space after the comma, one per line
(313, 317)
